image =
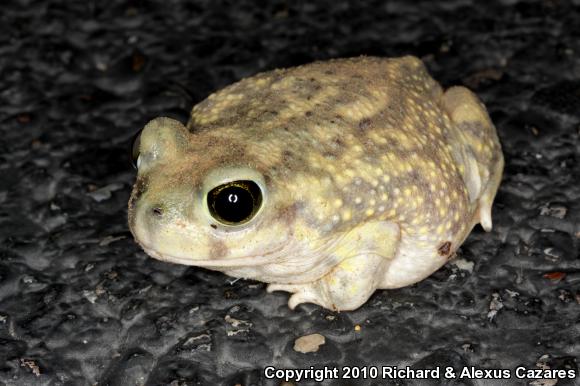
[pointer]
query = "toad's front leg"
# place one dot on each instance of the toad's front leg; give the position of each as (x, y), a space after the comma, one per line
(349, 285)
(346, 287)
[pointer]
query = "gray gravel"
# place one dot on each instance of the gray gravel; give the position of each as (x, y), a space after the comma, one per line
(81, 304)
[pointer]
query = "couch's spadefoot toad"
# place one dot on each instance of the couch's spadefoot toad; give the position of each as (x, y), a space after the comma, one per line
(328, 180)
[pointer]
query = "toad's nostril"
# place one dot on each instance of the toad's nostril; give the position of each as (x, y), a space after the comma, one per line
(157, 211)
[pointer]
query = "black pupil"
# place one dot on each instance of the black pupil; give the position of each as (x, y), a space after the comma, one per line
(234, 202)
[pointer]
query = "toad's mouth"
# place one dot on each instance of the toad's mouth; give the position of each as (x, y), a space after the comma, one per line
(250, 260)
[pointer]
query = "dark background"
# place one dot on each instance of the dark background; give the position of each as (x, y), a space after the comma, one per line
(81, 304)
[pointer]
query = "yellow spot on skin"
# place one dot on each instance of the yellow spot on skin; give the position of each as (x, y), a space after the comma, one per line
(337, 203)
(331, 168)
(346, 215)
(357, 328)
(341, 179)
(424, 230)
(369, 212)
(348, 265)
(350, 173)
(353, 289)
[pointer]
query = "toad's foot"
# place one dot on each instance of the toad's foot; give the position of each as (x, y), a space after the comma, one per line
(349, 285)
(302, 293)
(346, 287)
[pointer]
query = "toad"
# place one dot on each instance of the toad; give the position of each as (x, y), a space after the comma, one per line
(328, 180)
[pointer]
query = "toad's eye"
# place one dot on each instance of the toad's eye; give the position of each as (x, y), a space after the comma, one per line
(234, 203)
(134, 149)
